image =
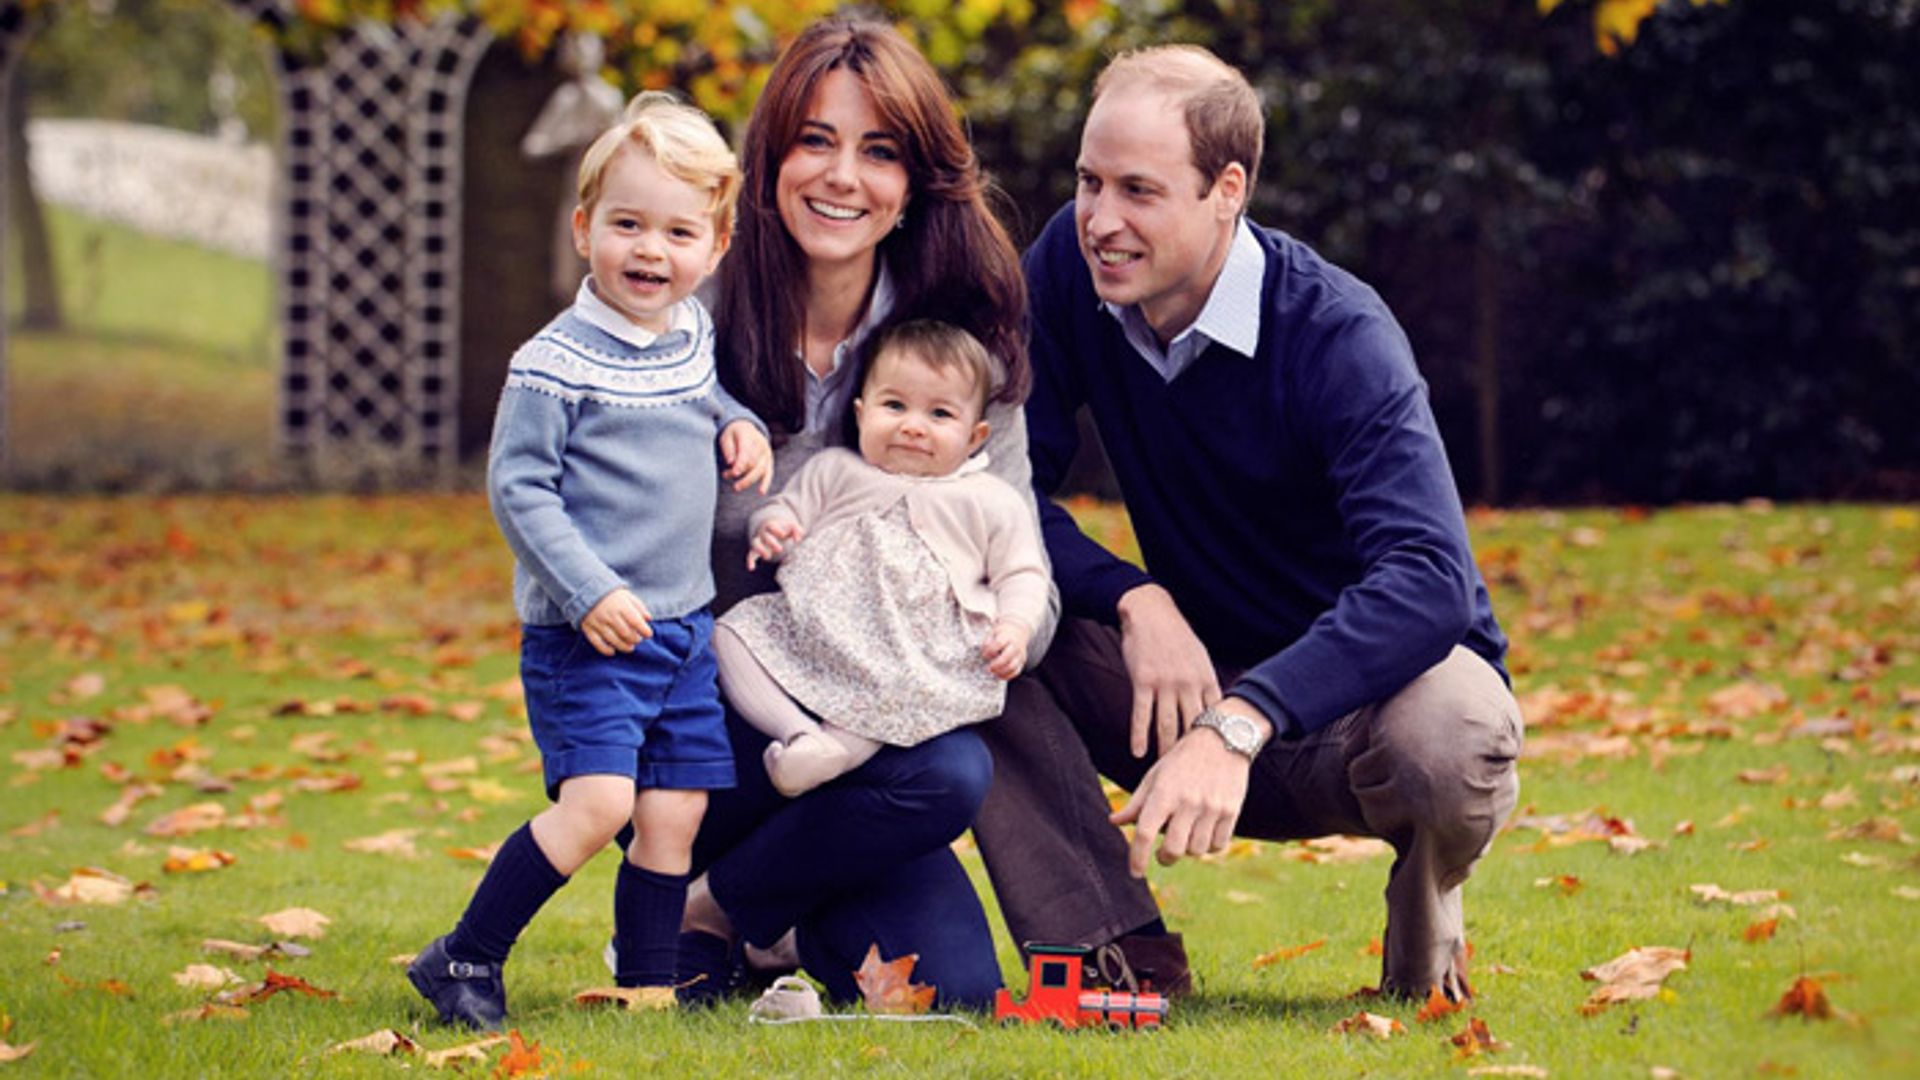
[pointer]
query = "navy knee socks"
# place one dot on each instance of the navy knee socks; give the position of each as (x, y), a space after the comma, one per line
(646, 924)
(516, 884)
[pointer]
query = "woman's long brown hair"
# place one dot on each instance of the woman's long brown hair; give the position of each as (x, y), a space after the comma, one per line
(951, 261)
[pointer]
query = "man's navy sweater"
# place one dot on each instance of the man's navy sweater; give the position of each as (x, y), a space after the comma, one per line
(1297, 505)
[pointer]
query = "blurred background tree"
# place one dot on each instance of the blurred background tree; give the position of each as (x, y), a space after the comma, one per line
(1646, 249)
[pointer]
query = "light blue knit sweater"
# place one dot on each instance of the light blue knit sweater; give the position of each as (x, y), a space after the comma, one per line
(603, 468)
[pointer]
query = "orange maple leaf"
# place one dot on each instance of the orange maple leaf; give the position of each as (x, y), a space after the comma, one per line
(1285, 952)
(1476, 1039)
(521, 1059)
(887, 986)
(1805, 999)
(1437, 1006)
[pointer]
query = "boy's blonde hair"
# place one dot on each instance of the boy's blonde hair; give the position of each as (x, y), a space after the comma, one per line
(942, 347)
(681, 139)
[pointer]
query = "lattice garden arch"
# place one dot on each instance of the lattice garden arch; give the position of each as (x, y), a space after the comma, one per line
(367, 235)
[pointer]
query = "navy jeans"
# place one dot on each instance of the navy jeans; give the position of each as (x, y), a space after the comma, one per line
(864, 860)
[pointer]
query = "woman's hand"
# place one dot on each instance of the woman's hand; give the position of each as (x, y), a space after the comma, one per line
(617, 624)
(749, 459)
(1006, 648)
(771, 539)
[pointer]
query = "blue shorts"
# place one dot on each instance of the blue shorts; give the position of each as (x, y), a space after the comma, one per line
(652, 714)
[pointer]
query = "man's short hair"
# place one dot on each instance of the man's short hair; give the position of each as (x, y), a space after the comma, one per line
(1225, 123)
(681, 139)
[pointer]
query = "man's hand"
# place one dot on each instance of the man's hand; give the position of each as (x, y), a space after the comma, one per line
(771, 540)
(617, 624)
(1173, 677)
(1192, 795)
(1006, 648)
(749, 459)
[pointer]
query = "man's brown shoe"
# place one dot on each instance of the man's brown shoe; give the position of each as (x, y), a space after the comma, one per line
(1140, 963)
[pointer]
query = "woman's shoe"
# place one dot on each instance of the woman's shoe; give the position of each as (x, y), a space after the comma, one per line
(708, 969)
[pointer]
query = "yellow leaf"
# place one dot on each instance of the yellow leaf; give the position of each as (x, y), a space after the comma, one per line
(465, 1052)
(632, 999)
(204, 977)
(383, 1043)
(396, 842)
(1366, 1023)
(297, 922)
(90, 885)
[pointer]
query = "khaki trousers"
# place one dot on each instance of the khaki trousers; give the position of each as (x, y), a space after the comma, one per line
(1430, 771)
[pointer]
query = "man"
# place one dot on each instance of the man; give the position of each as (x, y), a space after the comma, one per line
(1310, 649)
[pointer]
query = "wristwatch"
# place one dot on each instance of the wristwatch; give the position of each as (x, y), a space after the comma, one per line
(1241, 735)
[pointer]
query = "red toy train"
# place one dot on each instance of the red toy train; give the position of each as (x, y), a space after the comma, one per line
(1055, 995)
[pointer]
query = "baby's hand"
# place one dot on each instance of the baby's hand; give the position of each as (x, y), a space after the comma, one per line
(749, 459)
(771, 539)
(1006, 648)
(617, 624)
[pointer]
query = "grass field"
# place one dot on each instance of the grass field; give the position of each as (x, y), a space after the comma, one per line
(164, 375)
(1735, 686)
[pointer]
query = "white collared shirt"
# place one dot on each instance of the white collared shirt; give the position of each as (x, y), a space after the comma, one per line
(830, 395)
(1230, 317)
(602, 315)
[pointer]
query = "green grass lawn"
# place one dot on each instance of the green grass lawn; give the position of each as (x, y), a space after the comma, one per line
(1752, 671)
(163, 376)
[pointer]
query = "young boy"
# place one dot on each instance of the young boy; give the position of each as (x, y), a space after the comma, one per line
(602, 477)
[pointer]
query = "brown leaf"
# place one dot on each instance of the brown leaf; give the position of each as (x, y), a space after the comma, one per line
(1632, 976)
(1779, 774)
(204, 977)
(465, 1052)
(1762, 930)
(888, 987)
(1568, 884)
(92, 885)
(9, 1052)
(1366, 1023)
(1437, 1006)
(274, 983)
(1806, 998)
(477, 854)
(1710, 893)
(210, 1011)
(48, 820)
(632, 999)
(383, 1043)
(122, 809)
(1883, 829)
(189, 819)
(1286, 952)
(87, 684)
(181, 860)
(296, 922)
(396, 842)
(1476, 1039)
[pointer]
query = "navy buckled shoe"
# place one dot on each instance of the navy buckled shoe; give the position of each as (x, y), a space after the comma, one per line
(464, 993)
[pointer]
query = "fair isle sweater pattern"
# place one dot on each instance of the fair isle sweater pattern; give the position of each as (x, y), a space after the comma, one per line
(575, 361)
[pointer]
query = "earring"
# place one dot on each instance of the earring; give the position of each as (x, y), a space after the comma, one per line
(901, 221)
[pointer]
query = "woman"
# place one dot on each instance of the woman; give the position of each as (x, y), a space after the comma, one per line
(863, 207)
